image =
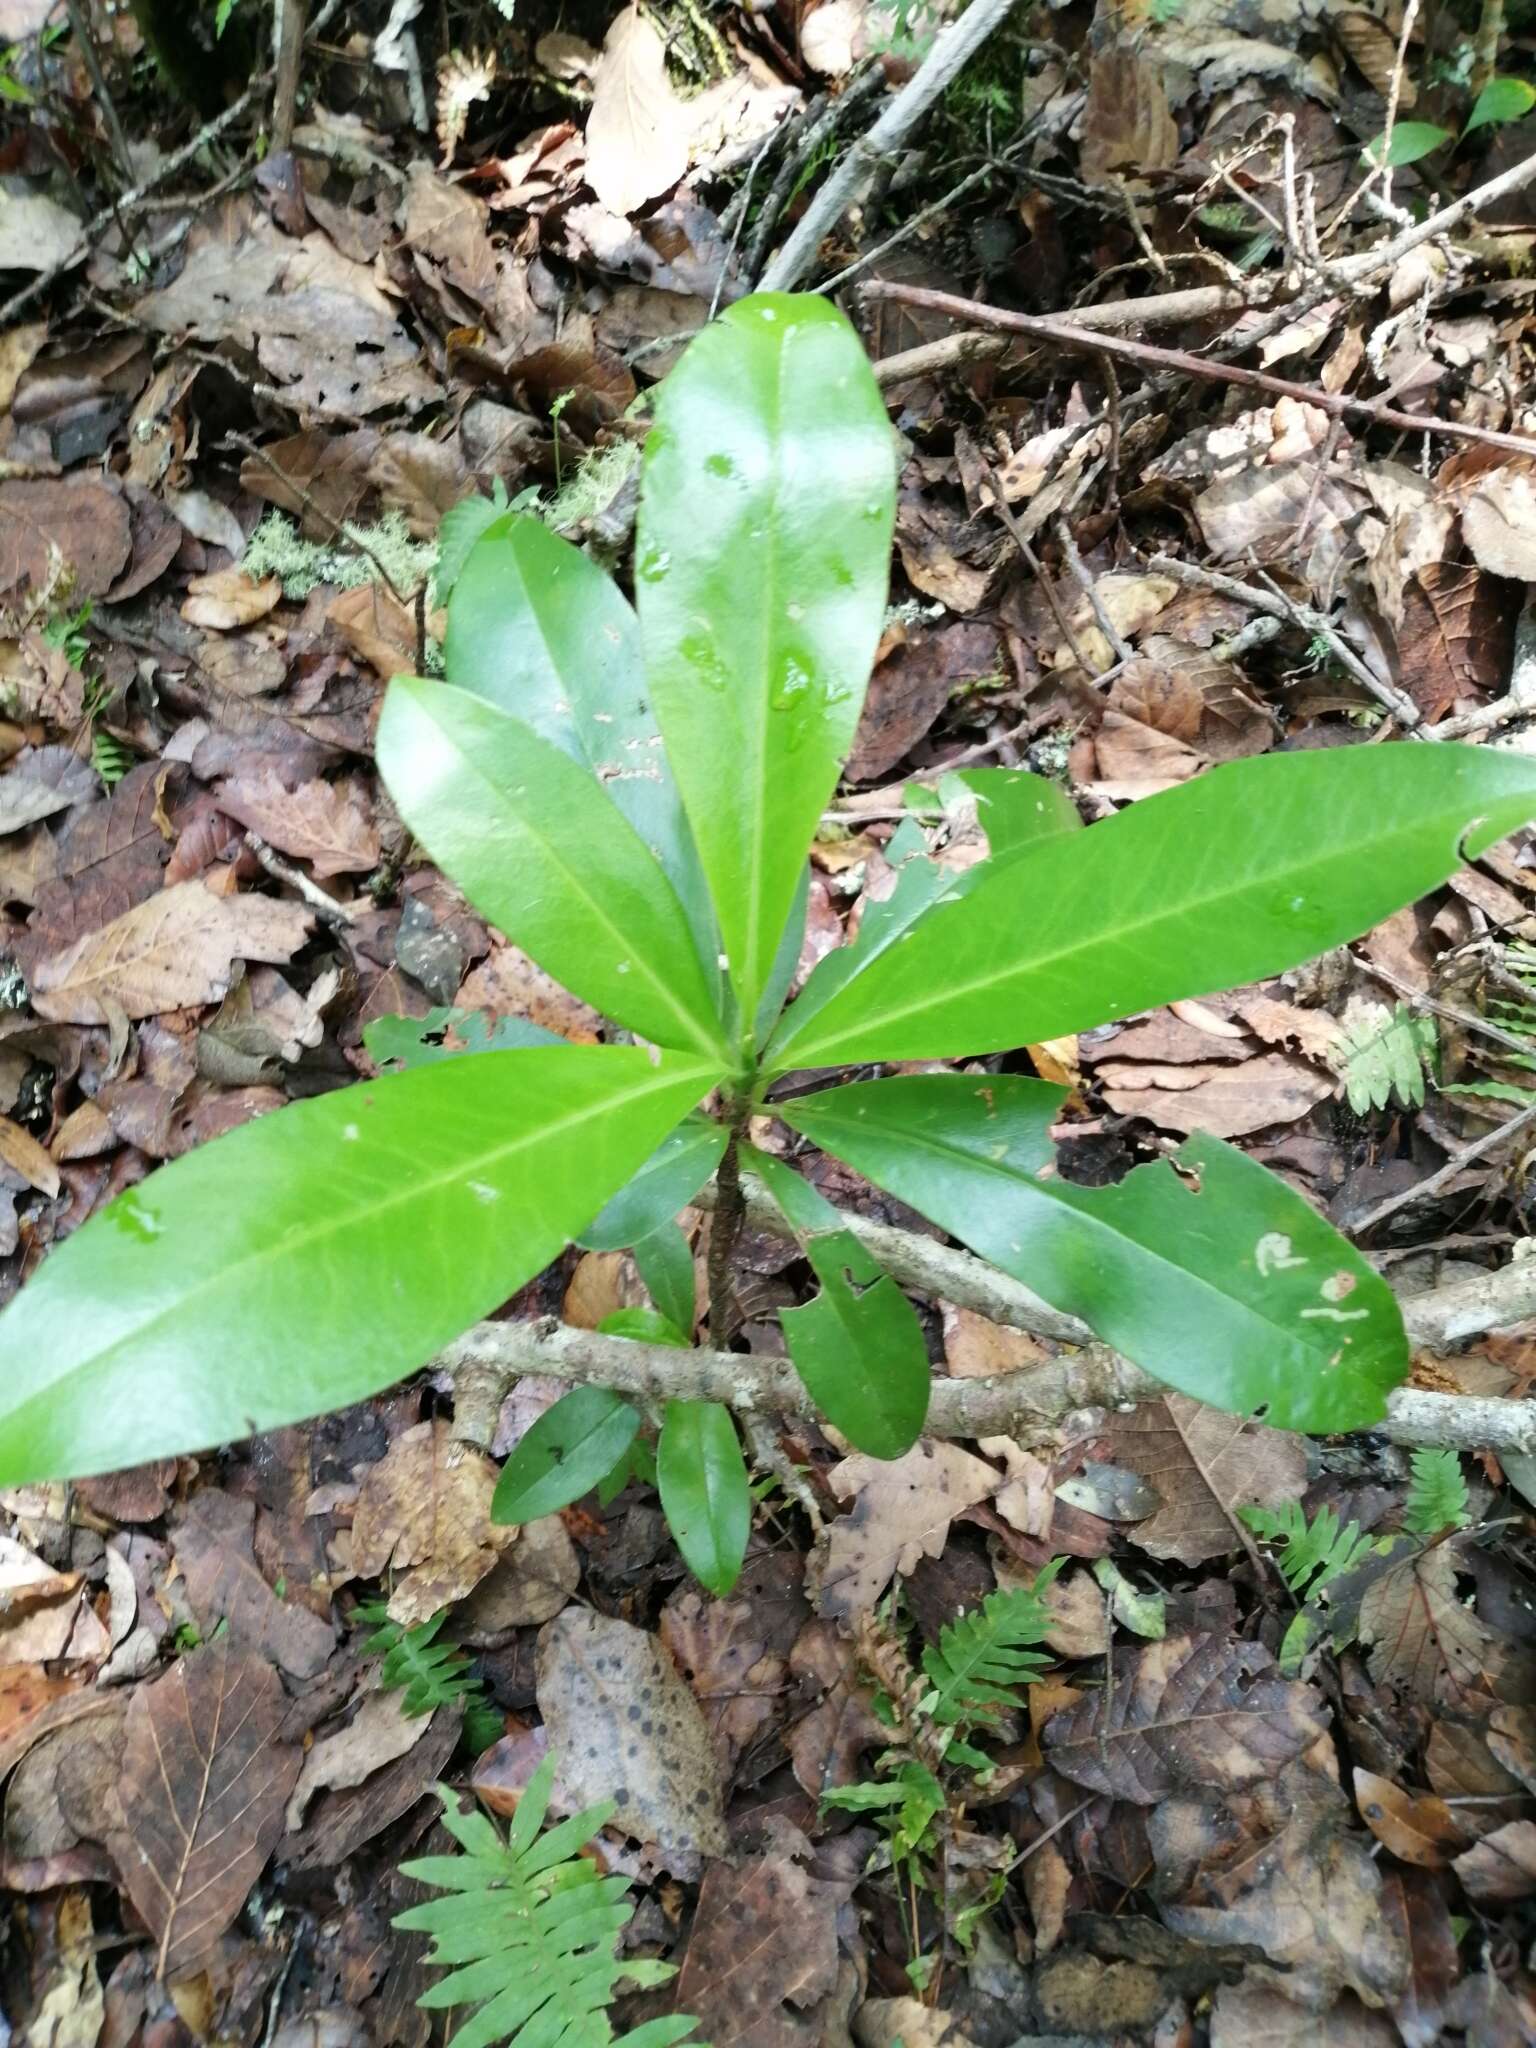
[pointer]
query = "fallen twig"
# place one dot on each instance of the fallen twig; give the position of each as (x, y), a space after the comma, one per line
(1067, 334)
(1467, 1156)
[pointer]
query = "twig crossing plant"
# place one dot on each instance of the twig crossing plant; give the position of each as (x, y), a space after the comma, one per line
(628, 794)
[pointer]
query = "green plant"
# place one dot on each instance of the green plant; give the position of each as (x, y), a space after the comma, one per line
(1312, 1554)
(1383, 1052)
(629, 795)
(431, 1674)
(527, 1929)
(1437, 1494)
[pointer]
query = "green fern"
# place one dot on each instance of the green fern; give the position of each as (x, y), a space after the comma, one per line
(981, 1661)
(1315, 1552)
(431, 1674)
(110, 758)
(1437, 1494)
(1384, 1052)
(527, 1930)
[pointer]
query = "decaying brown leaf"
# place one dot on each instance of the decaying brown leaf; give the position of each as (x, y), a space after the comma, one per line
(379, 1732)
(1190, 1710)
(51, 529)
(173, 951)
(762, 1956)
(227, 598)
(1501, 1867)
(1416, 1909)
(425, 1511)
(328, 824)
(205, 1779)
(638, 129)
(41, 781)
(1499, 522)
(1422, 1831)
(829, 1734)
(735, 1653)
(902, 1511)
(1229, 1102)
(625, 1727)
(1205, 1466)
(1422, 1637)
(530, 1583)
(215, 1547)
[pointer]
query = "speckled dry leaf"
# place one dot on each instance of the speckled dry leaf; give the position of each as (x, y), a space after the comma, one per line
(425, 1510)
(1421, 1830)
(902, 1511)
(205, 1778)
(1499, 524)
(625, 1727)
(1205, 1466)
(735, 1653)
(639, 127)
(174, 951)
(762, 1955)
(1190, 1710)
(227, 598)
(328, 824)
(532, 1583)
(1422, 1639)
(1079, 1620)
(377, 1733)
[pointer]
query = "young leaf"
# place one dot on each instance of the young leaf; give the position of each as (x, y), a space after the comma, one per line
(1209, 1271)
(858, 1347)
(665, 1264)
(1501, 99)
(667, 1182)
(702, 1477)
(1383, 1052)
(541, 631)
(983, 1660)
(1244, 872)
(564, 1454)
(313, 1256)
(1410, 140)
(772, 445)
(1314, 1553)
(536, 846)
(1437, 1495)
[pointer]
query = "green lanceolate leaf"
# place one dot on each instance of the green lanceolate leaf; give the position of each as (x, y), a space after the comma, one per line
(1208, 1272)
(761, 566)
(396, 1042)
(664, 1261)
(702, 1478)
(1501, 99)
(564, 1454)
(667, 1182)
(462, 526)
(541, 631)
(530, 838)
(1249, 870)
(858, 1347)
(312, 1257)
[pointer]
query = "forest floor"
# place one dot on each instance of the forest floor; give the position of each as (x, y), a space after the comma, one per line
(1258, 483)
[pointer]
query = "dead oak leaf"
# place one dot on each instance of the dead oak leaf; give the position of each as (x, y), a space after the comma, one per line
(174, 951)
(625, 1727)
(425, 1510)
(1190, 1710)
(902, 1511)
(329, 824)
(1205, 1466)
(1421, 1638)
(205, 1778)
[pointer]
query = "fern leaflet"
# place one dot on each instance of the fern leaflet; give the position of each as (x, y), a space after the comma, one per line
(1437, 1494)
(1384, 1052)
(981, 1660)
(1315, 1552)
(431, 1674)
(527, 1929)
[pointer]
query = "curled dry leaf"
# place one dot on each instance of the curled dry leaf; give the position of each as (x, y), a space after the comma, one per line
(529, 1584)
(625, 1727)
(425, 1510)
(1190, 1710)
(1205, 1466)
(1502, 1867)
(215, 1547)
(227, 598)
(638, 129)
(22, 1153)
(205, 1778)
(379, 1732)
(175, 950)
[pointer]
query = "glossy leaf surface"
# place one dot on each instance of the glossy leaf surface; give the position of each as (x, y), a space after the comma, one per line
(761, 565)
(667, 1182)
(564, 1454)
(444, 1033)
(1249, 870)
(537, 628)
(664, 1261)
(537, 848)
(1214, 1276)
(316, 1255)
(702, 1478)
(858, 1347)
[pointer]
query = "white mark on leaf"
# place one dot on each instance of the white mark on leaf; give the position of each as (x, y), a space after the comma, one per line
(1273, 1253)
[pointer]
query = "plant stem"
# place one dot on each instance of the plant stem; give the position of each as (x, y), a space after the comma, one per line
(724, 1233)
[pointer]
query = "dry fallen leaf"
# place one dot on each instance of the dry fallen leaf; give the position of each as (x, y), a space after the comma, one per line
(762, 1954)
(48, 526)
(377, 1733)
(175, 950)
(378, 627)
(226, 598)
(1501, 1867)
(902, 1511)
(1423, 1831)
(1228, 1101)
(22, 1153)
(214, 1542)
(329, 824)
(530, 1584)
(205, 1778)
(1190, 1710)
(1205, 1466)
(625, 1727)
(1499, 523)
(425, 1510)
(41, 781)
(1423, 1639)
(638, 129)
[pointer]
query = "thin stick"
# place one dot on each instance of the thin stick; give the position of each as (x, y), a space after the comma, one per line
(288, 64)
(337, 526)
(953, 48)
(80, 29)
(1467, 1156)
(1066, 335)
(326, 908)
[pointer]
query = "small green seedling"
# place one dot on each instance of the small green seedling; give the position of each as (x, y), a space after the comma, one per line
(628, 794)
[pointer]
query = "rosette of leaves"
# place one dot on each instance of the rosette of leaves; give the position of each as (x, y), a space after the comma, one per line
(628, 793)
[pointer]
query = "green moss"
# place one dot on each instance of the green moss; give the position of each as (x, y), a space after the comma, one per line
(277, 548)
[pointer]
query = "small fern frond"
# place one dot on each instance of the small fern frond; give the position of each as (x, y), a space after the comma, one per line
(429, 1673)
(527, 1929)
(1382, 1052)
(981, 1661)
(1437, 1494)
(1314, 1552)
